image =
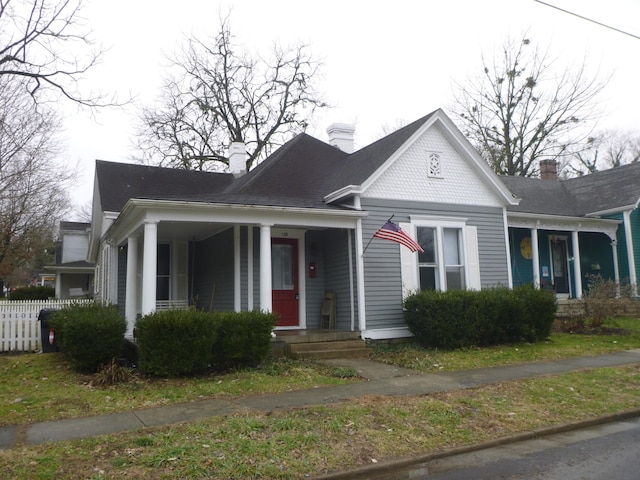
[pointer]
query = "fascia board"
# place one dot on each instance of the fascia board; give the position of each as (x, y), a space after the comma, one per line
(342, 193)
(532, 220)
(611, 211)
(136, 212)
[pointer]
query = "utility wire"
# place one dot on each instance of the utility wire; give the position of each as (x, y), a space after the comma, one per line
(589, 20)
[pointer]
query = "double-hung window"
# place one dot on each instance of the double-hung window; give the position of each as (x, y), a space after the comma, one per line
(450, 258)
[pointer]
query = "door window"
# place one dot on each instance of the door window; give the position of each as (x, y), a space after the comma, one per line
(282, 275)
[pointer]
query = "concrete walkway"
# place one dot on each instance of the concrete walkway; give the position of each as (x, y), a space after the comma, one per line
(381, 380)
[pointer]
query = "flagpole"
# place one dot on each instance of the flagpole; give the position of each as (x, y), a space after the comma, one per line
(372, 236)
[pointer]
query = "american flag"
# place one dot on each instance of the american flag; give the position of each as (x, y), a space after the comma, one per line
(391, 231)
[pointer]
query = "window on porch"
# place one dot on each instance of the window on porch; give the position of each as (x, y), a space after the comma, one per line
(163, 276)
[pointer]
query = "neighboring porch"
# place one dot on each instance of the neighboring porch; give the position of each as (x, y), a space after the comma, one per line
(561, 253)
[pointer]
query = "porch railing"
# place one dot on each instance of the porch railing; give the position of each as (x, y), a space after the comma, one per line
(19, 327)
(162, 305)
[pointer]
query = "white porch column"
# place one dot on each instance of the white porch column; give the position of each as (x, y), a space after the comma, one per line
(266, 300)
(237, 287)
(633, 281)
(535, 256)
(149, 267)
(577, 271)
(351, 291)
(362, 322)
(58, 292)
(131, 294)
(616, 267)
(507, 242)
(250, 268)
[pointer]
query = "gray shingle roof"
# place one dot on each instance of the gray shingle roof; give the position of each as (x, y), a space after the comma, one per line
(299, 174)
(119, 182)
(607, 190)
(305, 170)
(79, 226)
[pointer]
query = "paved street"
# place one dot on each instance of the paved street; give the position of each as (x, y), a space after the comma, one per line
(606, 451)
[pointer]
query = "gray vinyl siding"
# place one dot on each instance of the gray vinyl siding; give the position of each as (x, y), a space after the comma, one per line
(337, 275)
(213, 272)
(383, 283)
(315, 287)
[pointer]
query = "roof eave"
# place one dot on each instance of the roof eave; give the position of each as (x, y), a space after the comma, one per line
(612, 211)
(344, 192)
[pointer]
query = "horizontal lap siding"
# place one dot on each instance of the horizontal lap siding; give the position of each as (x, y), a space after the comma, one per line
(315, 287)
(383, 284)
(213, 272)
(337, 275)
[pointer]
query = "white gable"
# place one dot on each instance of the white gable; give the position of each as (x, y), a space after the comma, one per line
(407, 176)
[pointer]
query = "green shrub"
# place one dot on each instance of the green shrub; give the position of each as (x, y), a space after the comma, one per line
(243, 339)
(540, 308)
(175, 342)
(32, 293)
(459, 318)
(183, 342)
(89, 335)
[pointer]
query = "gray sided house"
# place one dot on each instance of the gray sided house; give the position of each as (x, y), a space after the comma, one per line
(301, 225)
(565, 231)
(74, 275)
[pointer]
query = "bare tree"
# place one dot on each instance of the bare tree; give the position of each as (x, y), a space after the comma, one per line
(522, 109)
(32, 186)
(220, 94)
(41, 42)
(607, 149)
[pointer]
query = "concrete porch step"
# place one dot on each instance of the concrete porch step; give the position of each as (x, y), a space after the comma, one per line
(329, 349)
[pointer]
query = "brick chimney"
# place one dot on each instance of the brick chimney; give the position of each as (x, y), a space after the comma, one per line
(548, 170)
(237, 159)
(341, 136)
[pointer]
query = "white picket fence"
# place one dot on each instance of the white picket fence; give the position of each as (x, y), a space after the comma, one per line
(19, 326)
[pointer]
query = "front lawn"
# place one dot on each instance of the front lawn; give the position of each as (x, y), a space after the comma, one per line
(560, 345)
(38, 387)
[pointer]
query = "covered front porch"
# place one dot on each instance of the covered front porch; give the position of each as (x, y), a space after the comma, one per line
(234, 258)
(561, 253)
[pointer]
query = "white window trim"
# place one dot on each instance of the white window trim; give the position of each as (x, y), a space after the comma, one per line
(409, 260)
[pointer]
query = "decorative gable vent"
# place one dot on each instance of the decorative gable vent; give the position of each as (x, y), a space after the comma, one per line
(434, 165)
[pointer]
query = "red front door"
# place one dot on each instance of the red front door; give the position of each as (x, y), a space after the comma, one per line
(284, 276)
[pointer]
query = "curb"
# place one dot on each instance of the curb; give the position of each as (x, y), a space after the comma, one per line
(392, 468)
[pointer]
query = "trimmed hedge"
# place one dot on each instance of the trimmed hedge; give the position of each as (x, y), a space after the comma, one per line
(243, 338)
(175, 342)
(461, 318)
(183, 342)
(89, 335)
(32, 293)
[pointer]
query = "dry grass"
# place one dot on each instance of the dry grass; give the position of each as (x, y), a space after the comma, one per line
(300, 442)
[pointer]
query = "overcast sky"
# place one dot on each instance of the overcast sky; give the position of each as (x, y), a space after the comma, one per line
(384, 61)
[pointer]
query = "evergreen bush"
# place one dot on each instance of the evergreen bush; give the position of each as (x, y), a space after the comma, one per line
(461, 318)
(175, 342)
(32, 293)
(243, 339)
(89, 335)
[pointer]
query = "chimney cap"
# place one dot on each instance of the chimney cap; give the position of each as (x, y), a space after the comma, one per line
(341, 136)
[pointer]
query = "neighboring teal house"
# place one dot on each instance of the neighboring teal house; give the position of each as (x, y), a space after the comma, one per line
(563, 231)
